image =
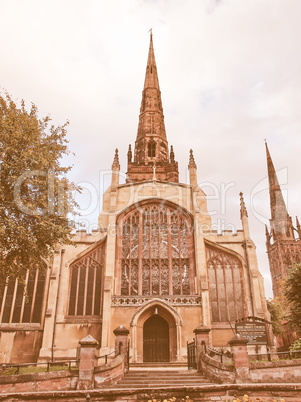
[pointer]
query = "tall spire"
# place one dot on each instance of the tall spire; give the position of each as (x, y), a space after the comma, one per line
(151, 146)
(280, 221)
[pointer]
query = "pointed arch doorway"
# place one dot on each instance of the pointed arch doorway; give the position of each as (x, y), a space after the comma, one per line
(156, 340)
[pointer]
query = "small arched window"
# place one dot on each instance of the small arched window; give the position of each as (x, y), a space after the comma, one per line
(151, 149)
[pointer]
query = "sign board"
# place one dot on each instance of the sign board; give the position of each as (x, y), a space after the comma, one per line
(254, 331)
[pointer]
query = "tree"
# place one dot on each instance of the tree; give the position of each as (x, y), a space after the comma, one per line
(35, 195)
(276, 309)
(292, 293)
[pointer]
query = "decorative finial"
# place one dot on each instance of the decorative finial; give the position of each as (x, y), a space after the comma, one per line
(191, 160)
(243, 210)
(172, 154)
(116, 164)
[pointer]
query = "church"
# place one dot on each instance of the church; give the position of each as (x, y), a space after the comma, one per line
(154, 265)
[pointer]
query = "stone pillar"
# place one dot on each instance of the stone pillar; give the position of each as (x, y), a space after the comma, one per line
(121, 341)
(87, 362)
(240, 358)
(201, 336)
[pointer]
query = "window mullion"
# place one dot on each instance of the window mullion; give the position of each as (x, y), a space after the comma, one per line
(23, 300)
(94, 286)
(180, 257)
(77, 288)
(34, 294)
(86, 285)
(13, 301)
(3, 302)
(140, 253)
(169, 253)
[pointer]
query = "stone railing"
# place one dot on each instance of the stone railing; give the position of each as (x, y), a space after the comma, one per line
(88, 376)
(241, 370)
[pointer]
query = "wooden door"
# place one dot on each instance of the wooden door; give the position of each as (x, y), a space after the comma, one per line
(155, 340)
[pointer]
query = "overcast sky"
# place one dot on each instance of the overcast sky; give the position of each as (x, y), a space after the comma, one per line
(229, 73)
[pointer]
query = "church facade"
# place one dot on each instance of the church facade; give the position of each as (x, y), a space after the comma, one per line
(154, 265)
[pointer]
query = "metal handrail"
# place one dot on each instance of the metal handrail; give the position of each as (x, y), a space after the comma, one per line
(5, 366)
(221, 354)
(108, 354)
(269, 354)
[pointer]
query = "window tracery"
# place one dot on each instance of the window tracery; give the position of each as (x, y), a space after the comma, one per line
(86, 284)
(225, 284)
(156, 252)
(22, 302)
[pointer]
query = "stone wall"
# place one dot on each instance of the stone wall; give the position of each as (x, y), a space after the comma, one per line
(19, 345)
(284, 371)
(215, 371)
(205, 393)
(56, 380)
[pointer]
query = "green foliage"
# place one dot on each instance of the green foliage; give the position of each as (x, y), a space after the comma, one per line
(276, 309)
(35, 195)
(296, 346)
(292, 294)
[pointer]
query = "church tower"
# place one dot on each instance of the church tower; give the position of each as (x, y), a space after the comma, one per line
(283, 247)
(154, 265)
(151, 155)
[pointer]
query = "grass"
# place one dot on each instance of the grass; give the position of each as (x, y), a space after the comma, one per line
(34, 369)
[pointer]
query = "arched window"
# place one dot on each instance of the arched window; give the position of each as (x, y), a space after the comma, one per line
(86, 284)
(225, 284)
(151, 149)
(156, 251)
(22, 302)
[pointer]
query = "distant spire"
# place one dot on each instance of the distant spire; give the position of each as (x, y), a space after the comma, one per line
(267, 235)
(172, 155)
(243, 210)
(280, 221)
(116, 164)
(191, 160)
(130, 153)
(298, 227)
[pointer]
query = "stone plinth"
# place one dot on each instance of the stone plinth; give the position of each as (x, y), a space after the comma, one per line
(87, 363)
(121, 341)
(240, 358)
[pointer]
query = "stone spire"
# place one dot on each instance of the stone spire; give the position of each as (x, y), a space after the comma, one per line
(298, 227)
(116, 165)
(115, 170)
(151, 146)
(244, 216)
(192, 170)
(243, 210)
(280, 221)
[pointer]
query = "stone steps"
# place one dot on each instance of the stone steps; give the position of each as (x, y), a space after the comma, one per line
(160, 379)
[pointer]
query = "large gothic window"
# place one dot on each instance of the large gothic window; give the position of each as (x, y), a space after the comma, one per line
(86, 284)
(21, 301)
(156, 252)
(225, 284)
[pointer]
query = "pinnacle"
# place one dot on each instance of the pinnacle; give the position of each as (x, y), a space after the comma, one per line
(116, 164)
(191, 160)
(243, 209)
